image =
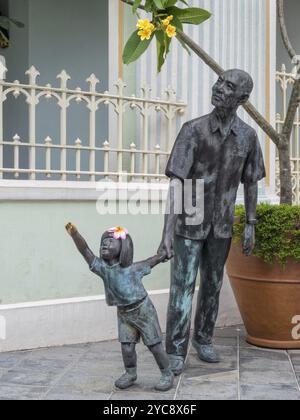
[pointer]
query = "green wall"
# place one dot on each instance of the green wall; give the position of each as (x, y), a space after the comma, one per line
(39, 261)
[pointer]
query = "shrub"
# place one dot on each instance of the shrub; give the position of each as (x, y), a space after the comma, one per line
(277, 232)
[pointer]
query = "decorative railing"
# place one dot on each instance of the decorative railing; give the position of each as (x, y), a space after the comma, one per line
(285, 81)
(110, 159)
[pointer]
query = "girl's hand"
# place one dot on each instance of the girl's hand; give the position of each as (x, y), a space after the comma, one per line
(161, 258)
(71, 229)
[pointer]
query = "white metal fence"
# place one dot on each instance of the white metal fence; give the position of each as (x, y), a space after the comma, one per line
(143, 161)
(285, 81)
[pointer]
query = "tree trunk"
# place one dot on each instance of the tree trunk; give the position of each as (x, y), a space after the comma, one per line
(286, 186)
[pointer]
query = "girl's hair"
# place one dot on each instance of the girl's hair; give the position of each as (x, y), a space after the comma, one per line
(126, 254)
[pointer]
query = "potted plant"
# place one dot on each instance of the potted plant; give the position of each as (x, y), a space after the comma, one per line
(267, 284)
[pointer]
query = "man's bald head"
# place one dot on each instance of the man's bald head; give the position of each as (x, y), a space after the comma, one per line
(242, 79)
(232, 89)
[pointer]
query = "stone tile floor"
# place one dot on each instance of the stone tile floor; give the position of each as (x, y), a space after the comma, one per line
(88, 371)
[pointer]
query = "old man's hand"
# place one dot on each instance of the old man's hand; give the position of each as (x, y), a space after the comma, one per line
(249, 240)
(166, 249)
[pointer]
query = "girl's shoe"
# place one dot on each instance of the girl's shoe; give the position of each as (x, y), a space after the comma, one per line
(166, 381)
(126, 380)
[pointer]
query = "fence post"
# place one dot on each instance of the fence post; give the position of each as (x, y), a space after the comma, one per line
(106, 159)
(63, 103)
(16, 143)
(119, 110)
(78, 144)
(133, 156)
(93, 81)
(157, 160)
(170, 115)
(32, 74)
(3, 71)
(145, 115)
(48, 142)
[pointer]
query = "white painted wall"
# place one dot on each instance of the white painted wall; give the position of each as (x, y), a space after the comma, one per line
(81, 320)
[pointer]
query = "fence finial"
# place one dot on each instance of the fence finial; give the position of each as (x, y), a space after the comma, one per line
(170, 93)
(32, 74)
(16, 138)
(93, 81)
(146, 91)
(64, 77)
(120, 86)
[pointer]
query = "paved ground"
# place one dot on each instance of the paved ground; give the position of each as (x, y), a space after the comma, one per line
(88, 371)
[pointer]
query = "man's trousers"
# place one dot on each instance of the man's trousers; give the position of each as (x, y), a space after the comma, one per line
(210, 255)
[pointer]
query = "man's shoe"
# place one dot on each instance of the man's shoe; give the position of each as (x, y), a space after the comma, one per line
(176, 364)
(166, 381)
(126, 381)
(206, 352)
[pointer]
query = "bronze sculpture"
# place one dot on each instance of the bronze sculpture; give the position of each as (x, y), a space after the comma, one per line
(137, 316)
(223, 151)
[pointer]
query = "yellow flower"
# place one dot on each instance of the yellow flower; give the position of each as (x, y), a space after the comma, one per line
(171, 31)
(167, 21)
(145, 29)
(144, 24)
(145, 34)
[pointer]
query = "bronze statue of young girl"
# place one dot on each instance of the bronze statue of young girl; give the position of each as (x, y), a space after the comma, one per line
(137, 316)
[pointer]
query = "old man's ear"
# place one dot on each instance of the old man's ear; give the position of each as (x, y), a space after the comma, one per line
(244, 98)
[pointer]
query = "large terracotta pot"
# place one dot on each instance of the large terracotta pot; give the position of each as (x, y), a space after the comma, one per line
(268, 297)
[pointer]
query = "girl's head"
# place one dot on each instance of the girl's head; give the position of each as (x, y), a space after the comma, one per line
(116, 244)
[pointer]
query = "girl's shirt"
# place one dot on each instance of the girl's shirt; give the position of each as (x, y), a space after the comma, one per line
(123, 286)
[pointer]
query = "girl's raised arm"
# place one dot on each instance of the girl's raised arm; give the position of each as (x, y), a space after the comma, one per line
(80, 243)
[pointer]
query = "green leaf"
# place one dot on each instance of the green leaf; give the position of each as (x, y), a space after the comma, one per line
(161, 49)
(170, 3)
(149, 5)
(135, 47)
(190, 15)
(160, 4)
(167, 43)
(185, 2)
(5, 21)
(136, 5)
(177, 23)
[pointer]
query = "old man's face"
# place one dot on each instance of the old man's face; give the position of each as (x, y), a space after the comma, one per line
(232, 89)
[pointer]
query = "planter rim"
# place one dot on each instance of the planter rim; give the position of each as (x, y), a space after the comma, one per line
(289, 259)
(264, 280)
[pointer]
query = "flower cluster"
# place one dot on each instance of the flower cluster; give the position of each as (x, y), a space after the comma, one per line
(146, 28)
(170, 29)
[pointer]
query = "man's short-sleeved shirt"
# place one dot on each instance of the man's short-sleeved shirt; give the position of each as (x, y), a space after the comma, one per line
(202, 151)
(123, 286)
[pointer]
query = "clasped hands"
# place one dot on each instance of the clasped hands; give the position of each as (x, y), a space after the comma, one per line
(166, 247)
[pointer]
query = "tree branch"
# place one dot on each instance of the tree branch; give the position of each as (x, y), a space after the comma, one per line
(295, 95)
(252, 111)
(284, 33)
(131, 3)
(292, 110)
